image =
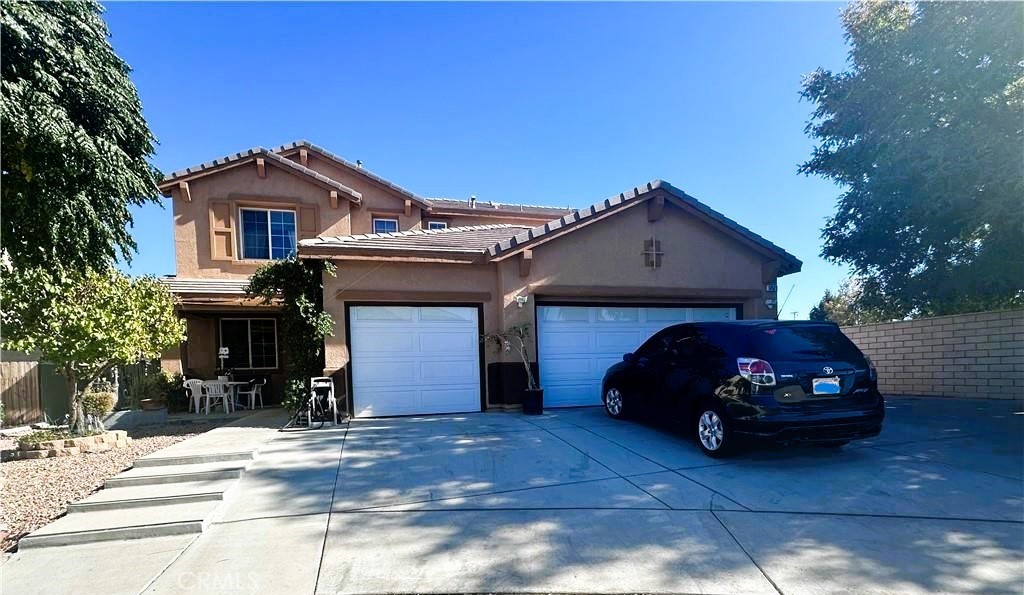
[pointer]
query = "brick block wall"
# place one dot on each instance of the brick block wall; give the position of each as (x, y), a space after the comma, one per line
(969, 356)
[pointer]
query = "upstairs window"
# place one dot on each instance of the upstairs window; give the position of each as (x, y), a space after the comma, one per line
(437, 225)
(381, 225)
(251, 343)
(267, 233)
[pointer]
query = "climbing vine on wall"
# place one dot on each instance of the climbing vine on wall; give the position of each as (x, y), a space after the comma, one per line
(298, 286)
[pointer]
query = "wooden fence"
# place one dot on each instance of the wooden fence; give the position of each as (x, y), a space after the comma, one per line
(19, 389)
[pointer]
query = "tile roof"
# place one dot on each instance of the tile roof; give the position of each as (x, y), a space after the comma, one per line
(487, 208)
(251, 155)
(790, 263)
(205, 286)
(302, 143)
(473, 239)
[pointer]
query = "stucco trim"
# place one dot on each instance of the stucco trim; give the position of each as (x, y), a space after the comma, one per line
(424, 297)
(251, 156)
(544, 291)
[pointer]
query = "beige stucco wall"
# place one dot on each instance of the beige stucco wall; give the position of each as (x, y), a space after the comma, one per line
(377, 199)
(701, 265)
(241, 186)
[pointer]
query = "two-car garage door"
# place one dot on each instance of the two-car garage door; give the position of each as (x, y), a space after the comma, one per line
(578, 343)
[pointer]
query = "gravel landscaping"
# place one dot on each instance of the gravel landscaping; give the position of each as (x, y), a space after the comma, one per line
(35, 492)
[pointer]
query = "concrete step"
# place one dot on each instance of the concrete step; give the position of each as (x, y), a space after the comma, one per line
(107, 525)
(135, 496)
(178, 473)
(158, 461)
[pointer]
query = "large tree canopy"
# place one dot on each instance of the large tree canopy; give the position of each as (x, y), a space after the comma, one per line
(86, 322)
(75, 144)
(924, 133)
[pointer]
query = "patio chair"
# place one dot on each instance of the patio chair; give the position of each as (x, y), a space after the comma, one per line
(254, 391)
(217, 391)
(194, 388)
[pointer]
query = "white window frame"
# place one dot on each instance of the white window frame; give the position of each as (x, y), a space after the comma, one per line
(439, 224)
(376, 219)
(220, 342)
(270, 241)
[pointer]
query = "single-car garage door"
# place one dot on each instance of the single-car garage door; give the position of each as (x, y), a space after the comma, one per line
(410, 360)
(577, 344)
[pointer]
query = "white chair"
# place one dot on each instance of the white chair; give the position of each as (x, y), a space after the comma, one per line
(216, 390)
(254, 391)
(195, 393)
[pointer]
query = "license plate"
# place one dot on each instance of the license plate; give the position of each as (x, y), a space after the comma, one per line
(825, 386)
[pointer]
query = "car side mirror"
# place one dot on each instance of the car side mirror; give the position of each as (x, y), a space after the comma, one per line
(628, 358)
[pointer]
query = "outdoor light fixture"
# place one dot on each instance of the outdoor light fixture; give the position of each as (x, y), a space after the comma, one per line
(521, 300)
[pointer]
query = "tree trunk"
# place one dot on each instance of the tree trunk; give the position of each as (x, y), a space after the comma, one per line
(75, 421)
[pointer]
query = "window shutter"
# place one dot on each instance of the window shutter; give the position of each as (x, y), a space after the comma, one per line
(307, 223)
(222, 232)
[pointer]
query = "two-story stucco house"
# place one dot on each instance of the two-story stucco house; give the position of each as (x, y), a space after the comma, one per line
(420, 279)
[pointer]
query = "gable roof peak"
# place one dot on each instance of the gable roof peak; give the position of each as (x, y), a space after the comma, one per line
(355, 167)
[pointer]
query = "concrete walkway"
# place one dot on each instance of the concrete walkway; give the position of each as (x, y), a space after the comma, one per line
(575, 502)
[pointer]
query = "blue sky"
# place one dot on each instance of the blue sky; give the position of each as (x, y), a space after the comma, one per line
(550, 104)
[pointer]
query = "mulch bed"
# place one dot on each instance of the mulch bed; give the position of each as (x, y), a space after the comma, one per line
(35, 492)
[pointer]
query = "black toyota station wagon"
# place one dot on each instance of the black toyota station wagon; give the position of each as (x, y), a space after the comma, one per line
(733, 382)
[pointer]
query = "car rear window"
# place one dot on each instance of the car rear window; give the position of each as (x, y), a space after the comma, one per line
(805, 342)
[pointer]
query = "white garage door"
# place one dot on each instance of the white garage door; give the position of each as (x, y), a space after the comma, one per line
(577, 344)
(414, 360)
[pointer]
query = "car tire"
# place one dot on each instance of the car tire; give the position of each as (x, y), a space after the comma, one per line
(614, 403)
(833, 444)
(713, 431)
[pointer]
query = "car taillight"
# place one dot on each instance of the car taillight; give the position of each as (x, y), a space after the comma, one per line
(872, 372)
(757, 371)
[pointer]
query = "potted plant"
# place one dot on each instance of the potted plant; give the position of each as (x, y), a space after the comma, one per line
(533, 395)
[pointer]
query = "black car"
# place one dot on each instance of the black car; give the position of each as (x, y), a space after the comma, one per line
(729, 382)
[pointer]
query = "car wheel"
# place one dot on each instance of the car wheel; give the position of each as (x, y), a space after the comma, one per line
(833, 444)
(614, 403)
(713, 433)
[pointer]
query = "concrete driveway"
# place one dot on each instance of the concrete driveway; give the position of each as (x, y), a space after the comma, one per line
(575, 502)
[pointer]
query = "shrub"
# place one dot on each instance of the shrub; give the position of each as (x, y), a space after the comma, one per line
(98, 403)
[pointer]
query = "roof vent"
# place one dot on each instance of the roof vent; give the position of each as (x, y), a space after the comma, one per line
(472, 201)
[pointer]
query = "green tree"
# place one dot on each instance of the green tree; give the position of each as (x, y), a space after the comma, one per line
(298, 287)
(86, 322)
(76, 148)
(924, 134)
(852, 304)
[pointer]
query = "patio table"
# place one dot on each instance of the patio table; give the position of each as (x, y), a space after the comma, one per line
(232, 386)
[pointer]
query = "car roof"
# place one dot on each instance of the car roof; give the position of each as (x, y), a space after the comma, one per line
(748, 324)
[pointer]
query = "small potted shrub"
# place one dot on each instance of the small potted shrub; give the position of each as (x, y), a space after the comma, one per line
(533, 395)
(98, 401)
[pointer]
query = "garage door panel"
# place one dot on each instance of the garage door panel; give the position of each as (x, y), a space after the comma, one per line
(384, 373)
(383, 313)
(614, 341)
(449, 397)
(567, 368)
(443, 340)
(570, 341)
(577, 344)
(410, 360)
(381, 341)
(449, 371)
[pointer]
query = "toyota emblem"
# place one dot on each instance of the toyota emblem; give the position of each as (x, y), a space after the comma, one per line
(827, 370)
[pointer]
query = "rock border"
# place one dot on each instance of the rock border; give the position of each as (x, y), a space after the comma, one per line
(71, 446)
